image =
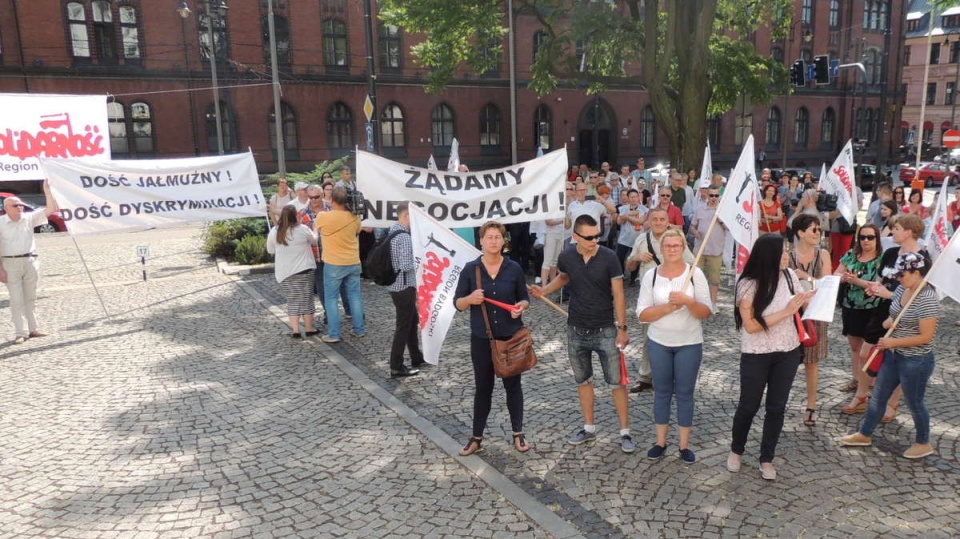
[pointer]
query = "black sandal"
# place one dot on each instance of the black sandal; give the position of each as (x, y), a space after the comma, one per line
(520, 442)
(473, 446)
(811, 420)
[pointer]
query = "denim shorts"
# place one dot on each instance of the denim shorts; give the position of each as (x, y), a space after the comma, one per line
(581, 342)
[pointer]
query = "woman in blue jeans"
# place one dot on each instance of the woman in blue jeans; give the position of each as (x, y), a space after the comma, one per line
(909, 360)
(674, 307)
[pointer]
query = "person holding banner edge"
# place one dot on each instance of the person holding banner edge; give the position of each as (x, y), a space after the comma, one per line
(502, 279)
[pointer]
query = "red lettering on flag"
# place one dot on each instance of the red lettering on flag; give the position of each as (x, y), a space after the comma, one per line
(432, 279)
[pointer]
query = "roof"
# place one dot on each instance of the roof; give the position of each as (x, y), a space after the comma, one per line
(920, 10)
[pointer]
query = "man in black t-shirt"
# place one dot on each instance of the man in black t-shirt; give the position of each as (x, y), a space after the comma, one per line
(596, 323)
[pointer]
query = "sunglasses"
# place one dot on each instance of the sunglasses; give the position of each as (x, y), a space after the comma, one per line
(714, 196)
(665, 196)
(315, 197)
(868, 238)
(815, 229)
(589, 238)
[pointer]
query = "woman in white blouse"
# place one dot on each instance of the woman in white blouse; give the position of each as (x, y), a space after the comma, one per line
(674, 307)
(292, 243)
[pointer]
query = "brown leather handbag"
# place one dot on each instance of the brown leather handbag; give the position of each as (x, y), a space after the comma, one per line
(513, 356)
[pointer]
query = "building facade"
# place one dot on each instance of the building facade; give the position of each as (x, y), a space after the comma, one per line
(152, 64)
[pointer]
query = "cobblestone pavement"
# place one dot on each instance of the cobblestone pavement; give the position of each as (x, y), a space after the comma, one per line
(189, 414)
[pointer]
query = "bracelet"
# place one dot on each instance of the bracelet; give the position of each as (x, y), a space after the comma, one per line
(622, 327)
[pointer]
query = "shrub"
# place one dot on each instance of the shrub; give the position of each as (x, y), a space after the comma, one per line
(222, 237)
(252, 250)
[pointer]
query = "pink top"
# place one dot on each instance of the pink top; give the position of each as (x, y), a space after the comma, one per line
(780, 337)
(924, 211)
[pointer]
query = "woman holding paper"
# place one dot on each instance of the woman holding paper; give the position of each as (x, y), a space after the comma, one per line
(910, 360)
(503, 280)
(810, 262)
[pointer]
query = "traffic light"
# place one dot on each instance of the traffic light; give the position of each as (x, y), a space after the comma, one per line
(798, 73)
(821, 65)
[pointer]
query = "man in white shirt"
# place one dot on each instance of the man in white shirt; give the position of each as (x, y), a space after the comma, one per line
(630, 218)
(302, 201)
(582, 206)
(18, 261)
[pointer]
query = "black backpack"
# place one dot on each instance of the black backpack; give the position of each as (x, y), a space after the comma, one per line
(379, 264)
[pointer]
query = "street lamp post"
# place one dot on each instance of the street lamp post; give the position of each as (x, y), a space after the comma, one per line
(277, 112)
(807, 37)
(220, 7)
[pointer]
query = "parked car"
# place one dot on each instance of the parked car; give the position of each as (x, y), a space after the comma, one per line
(54, 222)
(951, 157)
(930, 173)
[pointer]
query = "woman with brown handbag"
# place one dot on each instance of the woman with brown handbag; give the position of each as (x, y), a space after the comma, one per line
(503, 280)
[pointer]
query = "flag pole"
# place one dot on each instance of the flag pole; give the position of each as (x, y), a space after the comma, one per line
(896, 321)
(89, 275)
(552, 304)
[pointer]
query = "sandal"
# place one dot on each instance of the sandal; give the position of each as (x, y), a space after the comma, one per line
(520, 442)
(811, 420)
(887, 418)
(473, 446)
(851, 386)
(858, 408)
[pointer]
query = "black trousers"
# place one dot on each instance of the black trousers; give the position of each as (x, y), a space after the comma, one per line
(484, 378)
(406, 334)
(623, 251)
(775, 372)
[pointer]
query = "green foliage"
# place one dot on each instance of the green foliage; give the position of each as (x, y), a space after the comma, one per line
(268, 182)
(736, 69)
(222, 237)
(252, 250)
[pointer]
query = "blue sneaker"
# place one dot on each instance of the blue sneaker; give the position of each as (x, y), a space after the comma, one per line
(582, 437)
(627, 445)
(656, 452)
(688, 456)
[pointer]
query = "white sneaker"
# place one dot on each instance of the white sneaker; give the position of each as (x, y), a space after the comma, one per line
(733, 462)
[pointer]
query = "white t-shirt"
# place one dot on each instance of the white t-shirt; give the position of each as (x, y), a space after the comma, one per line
(17, 238)
(628, 231)
(679, 328)
(296, 255)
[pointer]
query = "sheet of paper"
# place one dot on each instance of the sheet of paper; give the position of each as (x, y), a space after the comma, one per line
(824, 302)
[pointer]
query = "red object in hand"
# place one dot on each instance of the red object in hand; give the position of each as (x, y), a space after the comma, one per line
(624, 375)
(500, 304)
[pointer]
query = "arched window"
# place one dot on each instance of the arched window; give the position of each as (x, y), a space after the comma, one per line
(103, 17)
(131, 129)
(801, 127)
(281, 29)
(79, 40)
(827, 122)
(339, 126)
(713, 131)
(104, 32)
(335, 44)
(228, 126)
(441, 123)
(220, 37)
(773, 127)
(490, 125)
(538, 38)
(648, 128)
(142, 127)
(291, 139)
(117, 120)
(391, 50)
(391, 127)
(543, 127)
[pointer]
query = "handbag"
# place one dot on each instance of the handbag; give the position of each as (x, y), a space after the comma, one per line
(513, 356)
(806, 329)
(873, 366)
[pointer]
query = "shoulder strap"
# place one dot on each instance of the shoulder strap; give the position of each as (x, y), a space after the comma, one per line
(786, 275)
(650, 248)
(483, 307)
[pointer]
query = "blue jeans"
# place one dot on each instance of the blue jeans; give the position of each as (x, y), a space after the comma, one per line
(333, 277)
(582, 342)
(675, 370)
(318, 288)
(912, 373)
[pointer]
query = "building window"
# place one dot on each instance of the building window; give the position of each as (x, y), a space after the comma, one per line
(906, 55)
(490, 125)
(228, 126)
(391, 127)
(79, 41)
(335, 43)
(103, 16)
(129, 32)
(220, 38)
(872, 63)
(333, 6)
(538, 38)
(773, 127)
(339, 126)
(934, 53)
(104, 32)
(777, 54)
(490, 54)
(441, 123)
(931, 93)
(807, 56)
(713, 131)
(955, 51)
(131, 134)
(801, 128)
(868, 124)
(390, 47)
(648, 128)
(951, 21)
(281, 29)
(949, 96)
(882, 22)
(806, 11)
(291, 140)
(826, 126)
(834, 14)
(116, 117)
(543, 127)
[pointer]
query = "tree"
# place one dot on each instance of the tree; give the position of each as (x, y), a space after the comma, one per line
(694, 56)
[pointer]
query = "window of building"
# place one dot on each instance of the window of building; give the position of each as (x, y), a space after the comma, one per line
(335, 44)
(648, 128)
(949, 96)
(538, 38)
(954, 52)
(543, 127)
(801, 127)
(906, 55)
(834, 19)
(951, 21)
(391, 127)
(490, 53)
(806, 55)
(228, 126)
(104, 32)
(289, 125)
(827, 122)
(79, 40)
(109, 44)
(129, 32)
(883, 18)
(806, 11)
(490, 125)
(391, 50)
(333, 6)
(872, 64)
(441, 125)
(773, 127)
(931, 93)
(339, 126)
(117, 125)
(934, 53)
(777, 53)
(131, 129)
(220, 37)
(281, 30)
(713, 131)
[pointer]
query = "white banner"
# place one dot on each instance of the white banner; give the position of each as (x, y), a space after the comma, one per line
(528, 191)
(739, 207)
(101, 197)
(936, 239)
(946, 268)
(840, 181)
(46, 125)
(440, 256)
(706, 170)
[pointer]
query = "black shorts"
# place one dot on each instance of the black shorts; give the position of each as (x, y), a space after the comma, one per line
(855, 321)
(873, 329)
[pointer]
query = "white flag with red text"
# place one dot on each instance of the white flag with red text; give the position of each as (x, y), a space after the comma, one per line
(739, 207)
(439, 254)
(946, 268)
(840, 181)
(936, 239)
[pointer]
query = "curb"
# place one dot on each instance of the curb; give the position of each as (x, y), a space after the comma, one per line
(230, 269)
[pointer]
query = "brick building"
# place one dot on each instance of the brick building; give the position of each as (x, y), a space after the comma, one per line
(152, 64)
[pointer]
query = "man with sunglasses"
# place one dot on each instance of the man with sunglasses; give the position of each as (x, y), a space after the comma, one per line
(711, 260)
(674, 213)
(597, 322)
(19, 268)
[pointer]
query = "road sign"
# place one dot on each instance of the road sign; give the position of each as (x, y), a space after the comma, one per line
(368, 108)
(951, 138)
(834, 68)
(369, 129)
(811, 71)
(143, 251)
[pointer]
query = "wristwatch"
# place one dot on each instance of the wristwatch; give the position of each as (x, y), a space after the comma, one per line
(622, 328)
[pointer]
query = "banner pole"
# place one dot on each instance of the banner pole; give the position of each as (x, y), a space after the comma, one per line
(896, 321)
(89, 275)
(552, 304)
